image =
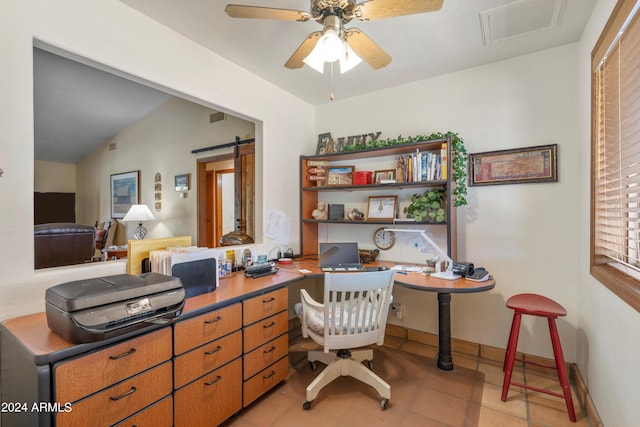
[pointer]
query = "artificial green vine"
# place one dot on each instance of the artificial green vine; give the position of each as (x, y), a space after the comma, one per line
(458, 152)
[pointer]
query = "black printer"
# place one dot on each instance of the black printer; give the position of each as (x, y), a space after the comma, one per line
(105, 307)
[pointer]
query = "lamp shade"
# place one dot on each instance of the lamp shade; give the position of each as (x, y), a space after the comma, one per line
(138, 213)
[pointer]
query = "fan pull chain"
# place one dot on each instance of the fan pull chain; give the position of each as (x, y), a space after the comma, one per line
(331, 96)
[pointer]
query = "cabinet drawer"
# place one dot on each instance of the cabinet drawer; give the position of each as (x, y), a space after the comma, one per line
(266, 305)
(265, 380)
(206, 327)
(265, 355)
(265, 330)
(120, 400)
(80, 377)
(157, 415)
(199, 361)
(210, 399)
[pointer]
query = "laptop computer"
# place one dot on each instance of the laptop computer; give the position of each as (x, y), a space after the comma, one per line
(340, 257)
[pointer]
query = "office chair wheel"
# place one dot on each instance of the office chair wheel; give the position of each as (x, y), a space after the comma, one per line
(369, 364)
(306, 405)
(313, 366)
(384, 403)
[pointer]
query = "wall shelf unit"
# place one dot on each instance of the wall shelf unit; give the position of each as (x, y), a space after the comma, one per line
(386, 157)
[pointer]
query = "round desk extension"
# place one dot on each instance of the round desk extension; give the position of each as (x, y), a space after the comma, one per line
(420, 282)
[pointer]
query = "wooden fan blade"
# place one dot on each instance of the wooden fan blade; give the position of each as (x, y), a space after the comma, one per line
(380, 9)
(366, 49)
(296, 60)
(256, 12)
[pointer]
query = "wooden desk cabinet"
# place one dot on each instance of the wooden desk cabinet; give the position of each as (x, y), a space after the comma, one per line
(199, 371)
(266, 343)
(204, 346)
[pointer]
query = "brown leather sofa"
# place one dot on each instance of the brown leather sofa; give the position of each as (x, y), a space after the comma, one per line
(62, 243)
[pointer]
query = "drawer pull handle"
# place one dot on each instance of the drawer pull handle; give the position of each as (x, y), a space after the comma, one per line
(213, 381)
(217, 319)
(125, 354)
(215, 350)
(270, 325)
(269, 375)
(133, 390)
(270, 350)
(269, 300)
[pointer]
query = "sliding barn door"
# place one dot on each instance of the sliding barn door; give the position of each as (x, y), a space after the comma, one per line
(244, 188)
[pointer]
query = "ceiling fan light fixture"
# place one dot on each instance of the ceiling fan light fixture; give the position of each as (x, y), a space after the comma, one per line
(332, 46)
(315, 59)
(349, 60)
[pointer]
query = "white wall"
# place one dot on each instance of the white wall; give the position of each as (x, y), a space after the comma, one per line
(525, 234)
(54, 177)
(115, 35)
(160, 142)
(608, 329)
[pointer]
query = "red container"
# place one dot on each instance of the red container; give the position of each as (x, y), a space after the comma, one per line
(362, 177)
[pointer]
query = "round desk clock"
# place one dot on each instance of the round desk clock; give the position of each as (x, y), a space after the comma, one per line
(384, 239)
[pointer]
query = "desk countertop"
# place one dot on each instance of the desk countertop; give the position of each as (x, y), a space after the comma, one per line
(34, 334)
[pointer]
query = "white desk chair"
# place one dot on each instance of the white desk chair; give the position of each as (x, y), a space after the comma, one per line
(354, 314)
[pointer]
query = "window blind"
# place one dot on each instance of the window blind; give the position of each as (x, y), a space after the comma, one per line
(616, 144)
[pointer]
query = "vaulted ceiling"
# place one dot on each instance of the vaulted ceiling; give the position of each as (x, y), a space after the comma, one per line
(462, 34)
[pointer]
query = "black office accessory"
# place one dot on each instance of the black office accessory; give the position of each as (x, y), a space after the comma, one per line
(463, 268)
(336, 211)
(479, 275)
(259, 270)
(105, 307)
(198, 276)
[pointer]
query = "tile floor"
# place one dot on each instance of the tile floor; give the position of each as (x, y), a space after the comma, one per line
(421, 394)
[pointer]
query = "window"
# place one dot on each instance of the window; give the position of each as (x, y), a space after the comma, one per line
(615, 150)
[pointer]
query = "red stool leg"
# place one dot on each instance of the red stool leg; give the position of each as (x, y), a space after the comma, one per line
(562, 370)
(506, 353)
(511, 354)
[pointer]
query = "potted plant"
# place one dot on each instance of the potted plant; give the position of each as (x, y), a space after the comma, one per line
(428, 206)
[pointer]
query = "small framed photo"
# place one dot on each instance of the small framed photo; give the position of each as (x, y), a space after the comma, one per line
(387, 175)
(182, 182)
(340, 175)
(382, 207)
(323, 142)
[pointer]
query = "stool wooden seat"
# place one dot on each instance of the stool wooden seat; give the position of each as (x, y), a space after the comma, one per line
(537, 305)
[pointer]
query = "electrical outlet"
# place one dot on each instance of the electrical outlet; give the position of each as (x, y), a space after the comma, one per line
(396, 308)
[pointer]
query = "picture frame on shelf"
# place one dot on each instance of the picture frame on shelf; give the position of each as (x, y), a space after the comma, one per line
(383, 176)
(340, 175)
(382, 207)
(323, 142)
(125, 191)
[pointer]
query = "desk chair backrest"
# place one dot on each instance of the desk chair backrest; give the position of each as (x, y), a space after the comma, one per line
(356, 306)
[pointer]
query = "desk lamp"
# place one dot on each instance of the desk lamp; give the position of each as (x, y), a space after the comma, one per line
(448, 273)
(139, 213)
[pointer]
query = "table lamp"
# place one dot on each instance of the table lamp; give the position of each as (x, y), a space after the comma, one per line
(448, 274)
(139, 213)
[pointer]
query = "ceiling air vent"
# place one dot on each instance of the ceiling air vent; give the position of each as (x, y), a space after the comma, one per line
(112, 146)
(518, 18)
(217, 117)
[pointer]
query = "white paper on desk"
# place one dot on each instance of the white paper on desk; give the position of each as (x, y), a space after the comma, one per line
(406, 268)
(278, 226)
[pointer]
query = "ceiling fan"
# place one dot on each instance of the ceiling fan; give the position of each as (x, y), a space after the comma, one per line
(334, 41)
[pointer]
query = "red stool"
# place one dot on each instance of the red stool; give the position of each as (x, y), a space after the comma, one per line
(536, 305)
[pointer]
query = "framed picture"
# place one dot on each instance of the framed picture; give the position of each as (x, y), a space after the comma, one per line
(387, 174)
(340, 175)
(516, 166)
(382, 207)
(323, 142)
(182, 182)
(125, 191)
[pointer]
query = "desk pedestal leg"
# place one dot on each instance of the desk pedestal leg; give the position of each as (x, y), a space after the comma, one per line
(445, 361)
